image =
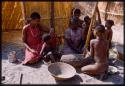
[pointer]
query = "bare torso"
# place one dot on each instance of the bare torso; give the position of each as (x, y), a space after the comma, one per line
(100, 49)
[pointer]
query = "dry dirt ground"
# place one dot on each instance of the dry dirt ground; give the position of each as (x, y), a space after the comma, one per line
(38, 73)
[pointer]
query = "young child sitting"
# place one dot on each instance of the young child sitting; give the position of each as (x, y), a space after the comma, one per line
(98, 53)
(49, 52)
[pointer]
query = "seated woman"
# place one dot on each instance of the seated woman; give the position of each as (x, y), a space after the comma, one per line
(73, 43)
(32, 38)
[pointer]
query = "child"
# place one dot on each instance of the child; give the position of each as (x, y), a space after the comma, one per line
(98, 52)
(109, 33)
(85, 26)
(76, 13)
(48, 52)
(73, 43)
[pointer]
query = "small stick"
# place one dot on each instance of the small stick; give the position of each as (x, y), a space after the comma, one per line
(21, 78)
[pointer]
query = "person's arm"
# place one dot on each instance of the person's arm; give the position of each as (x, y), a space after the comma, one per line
(44, 28)
(25, 40)
(110, 35)
(69, 41)
(91, 48)
(43, 47)
(82, 41)
(70, 44)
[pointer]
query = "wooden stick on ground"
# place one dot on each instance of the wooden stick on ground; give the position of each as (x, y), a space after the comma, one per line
(21, 77)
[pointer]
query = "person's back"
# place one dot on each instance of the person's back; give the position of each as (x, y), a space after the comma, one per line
(98, 52)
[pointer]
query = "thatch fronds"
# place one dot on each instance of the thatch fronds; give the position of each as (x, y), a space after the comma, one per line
(62, 15)
(114, 10)
(11, 15)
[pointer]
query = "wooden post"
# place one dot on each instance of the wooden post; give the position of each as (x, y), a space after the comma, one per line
(106, 9)
(23, 11)
(99, 18)
(90, 27)
(52, 16)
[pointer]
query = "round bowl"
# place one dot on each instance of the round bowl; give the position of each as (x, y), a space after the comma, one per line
(112, 70)
(61, 70)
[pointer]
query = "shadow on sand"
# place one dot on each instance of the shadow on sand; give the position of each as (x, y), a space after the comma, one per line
(74, 80)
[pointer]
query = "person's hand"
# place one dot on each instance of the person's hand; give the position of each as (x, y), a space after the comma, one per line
(33, 51)
(88, 54)
(85, 51)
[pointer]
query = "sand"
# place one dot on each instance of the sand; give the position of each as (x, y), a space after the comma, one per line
(38, 73)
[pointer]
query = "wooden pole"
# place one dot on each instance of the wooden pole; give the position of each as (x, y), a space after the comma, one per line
(23, 12)
(90, 27)
(106, 9)
(52, 16)
(99, 18)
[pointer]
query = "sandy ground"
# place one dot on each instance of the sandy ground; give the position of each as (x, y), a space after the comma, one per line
(38, 73)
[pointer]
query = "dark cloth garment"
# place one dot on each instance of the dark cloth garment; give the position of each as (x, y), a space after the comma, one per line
(110, 45)
(51, 54)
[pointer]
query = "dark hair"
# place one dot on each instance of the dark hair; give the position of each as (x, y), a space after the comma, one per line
(35, 15)
(46, 37)
(73, 20)
(100, 28)
(86, 18)
(111, 22)
(76, 11)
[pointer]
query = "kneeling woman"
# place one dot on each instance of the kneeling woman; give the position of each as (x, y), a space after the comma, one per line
(32, 39)
(73, 39)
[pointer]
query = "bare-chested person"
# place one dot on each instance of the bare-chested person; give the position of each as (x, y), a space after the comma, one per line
(98, 53)
(109, 33)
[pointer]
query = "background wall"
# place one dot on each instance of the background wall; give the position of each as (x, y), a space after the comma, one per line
(12, 14)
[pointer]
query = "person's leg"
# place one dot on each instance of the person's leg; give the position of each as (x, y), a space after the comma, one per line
(94, 69)
(56, 54)
(45, 55)
(50, 54)
(90, 69)
(87, 61)
(30, 57)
